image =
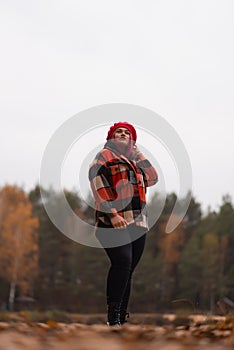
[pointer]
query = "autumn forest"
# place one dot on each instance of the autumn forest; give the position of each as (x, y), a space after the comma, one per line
(193, 265)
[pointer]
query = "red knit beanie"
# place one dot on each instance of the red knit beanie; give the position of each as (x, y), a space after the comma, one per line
(122, 125)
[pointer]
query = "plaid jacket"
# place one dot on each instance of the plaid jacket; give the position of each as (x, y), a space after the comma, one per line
(119, 185)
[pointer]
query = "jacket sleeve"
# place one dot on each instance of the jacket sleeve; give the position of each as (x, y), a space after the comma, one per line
(149, 172)
(103, 193)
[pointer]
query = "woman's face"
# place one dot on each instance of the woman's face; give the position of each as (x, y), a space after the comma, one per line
(122, 136)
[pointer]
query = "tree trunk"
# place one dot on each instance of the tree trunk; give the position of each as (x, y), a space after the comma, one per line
(12, 295)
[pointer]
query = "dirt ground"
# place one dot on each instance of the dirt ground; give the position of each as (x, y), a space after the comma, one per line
(87, 332)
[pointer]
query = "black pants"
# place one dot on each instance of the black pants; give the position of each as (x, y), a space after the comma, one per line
(124, 260)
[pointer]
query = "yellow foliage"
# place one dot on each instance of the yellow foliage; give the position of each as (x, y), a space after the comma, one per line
(18, 238)
(171, 244)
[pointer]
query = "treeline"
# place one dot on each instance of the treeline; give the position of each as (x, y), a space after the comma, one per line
(194, 263)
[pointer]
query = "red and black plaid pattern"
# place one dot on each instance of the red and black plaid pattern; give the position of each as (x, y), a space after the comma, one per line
(119, 185)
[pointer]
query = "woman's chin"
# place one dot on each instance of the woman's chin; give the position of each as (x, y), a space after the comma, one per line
(122, 142)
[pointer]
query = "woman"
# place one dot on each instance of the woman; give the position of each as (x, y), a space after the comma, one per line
(119, 176)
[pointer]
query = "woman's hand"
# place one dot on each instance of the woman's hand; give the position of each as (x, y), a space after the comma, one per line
(135, 152)
(118, 221)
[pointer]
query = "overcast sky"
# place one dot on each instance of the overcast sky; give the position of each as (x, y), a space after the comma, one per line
(175, 57)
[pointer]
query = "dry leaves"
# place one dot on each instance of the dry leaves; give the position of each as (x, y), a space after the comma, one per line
(179, 333)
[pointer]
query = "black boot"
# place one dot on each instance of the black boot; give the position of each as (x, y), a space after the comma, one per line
(113, 314)
(123, 314)
(123, 317)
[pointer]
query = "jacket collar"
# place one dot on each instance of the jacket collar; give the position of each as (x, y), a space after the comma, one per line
(113, 147)
(110, 145)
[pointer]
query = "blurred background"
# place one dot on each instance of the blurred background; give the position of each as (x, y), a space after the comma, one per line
(61, 57)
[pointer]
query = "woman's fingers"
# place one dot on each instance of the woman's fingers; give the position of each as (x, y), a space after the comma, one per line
(118, 222)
